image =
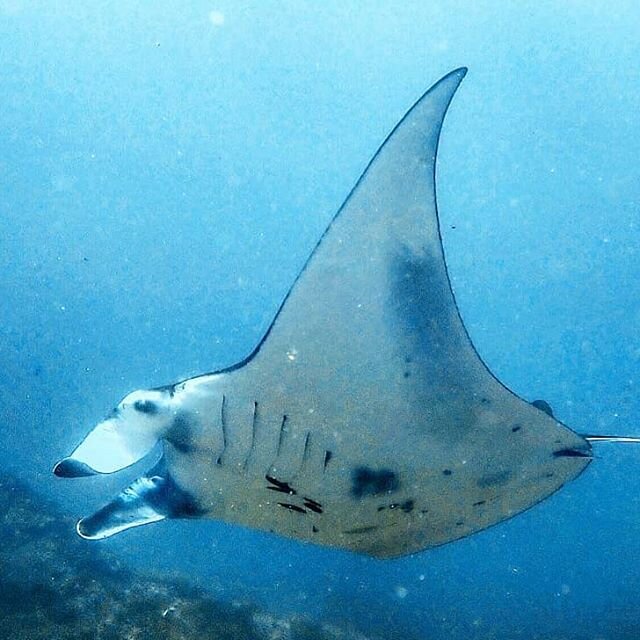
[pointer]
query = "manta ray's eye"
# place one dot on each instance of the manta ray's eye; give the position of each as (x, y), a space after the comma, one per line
(145, 406)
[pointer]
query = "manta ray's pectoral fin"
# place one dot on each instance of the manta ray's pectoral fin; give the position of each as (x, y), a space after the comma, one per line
(148, 499)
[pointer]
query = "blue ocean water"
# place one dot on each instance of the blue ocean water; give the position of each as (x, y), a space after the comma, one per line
(165, 169)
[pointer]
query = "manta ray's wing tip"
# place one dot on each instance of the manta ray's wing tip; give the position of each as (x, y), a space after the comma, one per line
(70, 468)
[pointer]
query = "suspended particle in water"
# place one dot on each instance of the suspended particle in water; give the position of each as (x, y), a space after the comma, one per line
(216, 18)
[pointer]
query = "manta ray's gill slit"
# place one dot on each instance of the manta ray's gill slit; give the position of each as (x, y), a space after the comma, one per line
(254, 421)
(283, 429)
(223, 427)
(306, 454)
(327, 458)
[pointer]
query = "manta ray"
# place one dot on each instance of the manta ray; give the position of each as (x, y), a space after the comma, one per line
(364, 419)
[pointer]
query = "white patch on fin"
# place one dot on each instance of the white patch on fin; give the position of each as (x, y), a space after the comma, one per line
(138, 422)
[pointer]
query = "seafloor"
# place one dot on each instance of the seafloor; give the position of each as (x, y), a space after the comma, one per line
(58, 588)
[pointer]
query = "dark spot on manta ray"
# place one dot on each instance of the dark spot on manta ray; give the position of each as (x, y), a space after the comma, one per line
(479, 503)
(146, 406)
(406, 506)
(419, 303)
(447, 472)
(279, 485)
(493, 479)
(485, 401)
(292, 507)
(407, 374)
(357, 530)
(180, 433)
(327, 457)
(516, 427)
(549, 474)
(571, 453)
(315, 529)
(459, 523)
(373, 482)
(544, 406)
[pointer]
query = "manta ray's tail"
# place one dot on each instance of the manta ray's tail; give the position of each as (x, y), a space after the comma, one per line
(623, 439)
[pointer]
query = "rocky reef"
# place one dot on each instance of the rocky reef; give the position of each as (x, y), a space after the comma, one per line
(54, 587)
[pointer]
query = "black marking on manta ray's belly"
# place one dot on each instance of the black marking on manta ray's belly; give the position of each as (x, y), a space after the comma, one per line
(516, 428)
(146, 406)
(479, 503)
(180, 433)
(494, 479)
(406, 506)
(447, 472)
(280, 486)
(571, 453)
(315, 529)
(315, 506)
(327, 457)
(358, 530)
(292, 507)
(373, 482)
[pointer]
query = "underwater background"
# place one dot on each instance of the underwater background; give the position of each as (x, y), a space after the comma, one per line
(165, 170)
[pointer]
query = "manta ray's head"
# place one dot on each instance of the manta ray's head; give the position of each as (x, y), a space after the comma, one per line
(129, 432)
